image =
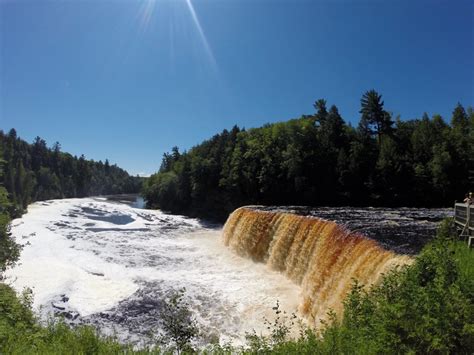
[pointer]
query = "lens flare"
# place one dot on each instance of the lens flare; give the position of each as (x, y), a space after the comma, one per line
(172, 12)
(201, 33)
(146, 12)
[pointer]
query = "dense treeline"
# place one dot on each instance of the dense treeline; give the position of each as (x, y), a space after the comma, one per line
(318, 160)
(34, 172)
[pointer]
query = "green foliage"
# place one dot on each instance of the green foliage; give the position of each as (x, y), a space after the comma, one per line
(178, 324)
(9, 250)
(21, 333)
(320, 160)
(163, 189)
(35, 172)
(279, 333)
(374, 117)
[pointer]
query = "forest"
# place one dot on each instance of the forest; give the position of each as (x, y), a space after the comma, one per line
(320, 160)
(34, 172)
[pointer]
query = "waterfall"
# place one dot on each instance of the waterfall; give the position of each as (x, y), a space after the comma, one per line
(321, 256)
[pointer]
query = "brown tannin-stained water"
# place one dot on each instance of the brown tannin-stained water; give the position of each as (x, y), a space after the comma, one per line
(319, 255)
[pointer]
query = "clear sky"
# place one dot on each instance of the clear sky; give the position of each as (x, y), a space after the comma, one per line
(128, 79)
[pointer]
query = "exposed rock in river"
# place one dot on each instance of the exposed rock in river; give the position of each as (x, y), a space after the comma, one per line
(403, 230)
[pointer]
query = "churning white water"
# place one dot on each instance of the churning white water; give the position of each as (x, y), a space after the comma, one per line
(111, 265)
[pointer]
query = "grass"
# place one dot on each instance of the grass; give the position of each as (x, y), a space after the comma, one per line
(464, 258)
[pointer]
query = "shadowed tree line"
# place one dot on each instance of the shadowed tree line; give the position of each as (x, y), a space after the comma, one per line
(320, 160)
(34, 172)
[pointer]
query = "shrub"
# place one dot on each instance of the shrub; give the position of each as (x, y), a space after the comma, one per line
(179, 326)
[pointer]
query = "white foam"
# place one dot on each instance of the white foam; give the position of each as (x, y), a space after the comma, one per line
(98, 263)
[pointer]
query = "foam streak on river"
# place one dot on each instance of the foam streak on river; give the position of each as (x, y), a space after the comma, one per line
(111, 265)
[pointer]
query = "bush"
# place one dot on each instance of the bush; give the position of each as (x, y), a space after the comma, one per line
(21, 333)
(425, 307)
(177, 322)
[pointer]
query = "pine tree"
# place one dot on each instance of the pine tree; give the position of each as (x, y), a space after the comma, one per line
(374, 117)
(321, 111)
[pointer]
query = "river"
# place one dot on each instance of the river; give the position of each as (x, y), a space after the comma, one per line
(107, 263)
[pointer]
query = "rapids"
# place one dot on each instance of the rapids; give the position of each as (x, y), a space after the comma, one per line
(108, 264)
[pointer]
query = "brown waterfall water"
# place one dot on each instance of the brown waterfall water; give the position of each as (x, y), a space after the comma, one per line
(321, 256)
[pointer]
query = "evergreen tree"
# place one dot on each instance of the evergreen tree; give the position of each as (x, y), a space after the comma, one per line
(35, 172)
(321, 110)
(374, 117)
(423, 162)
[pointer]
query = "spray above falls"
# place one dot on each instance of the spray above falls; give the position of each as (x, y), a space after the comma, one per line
(321, 256)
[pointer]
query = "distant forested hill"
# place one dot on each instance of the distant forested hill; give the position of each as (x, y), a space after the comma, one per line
(33, 172)
(320, 160)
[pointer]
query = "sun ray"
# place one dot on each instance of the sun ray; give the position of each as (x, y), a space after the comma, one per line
(146, 12)
(205, 43)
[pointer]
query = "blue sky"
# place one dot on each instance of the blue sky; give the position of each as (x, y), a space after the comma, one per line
(128, 79)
